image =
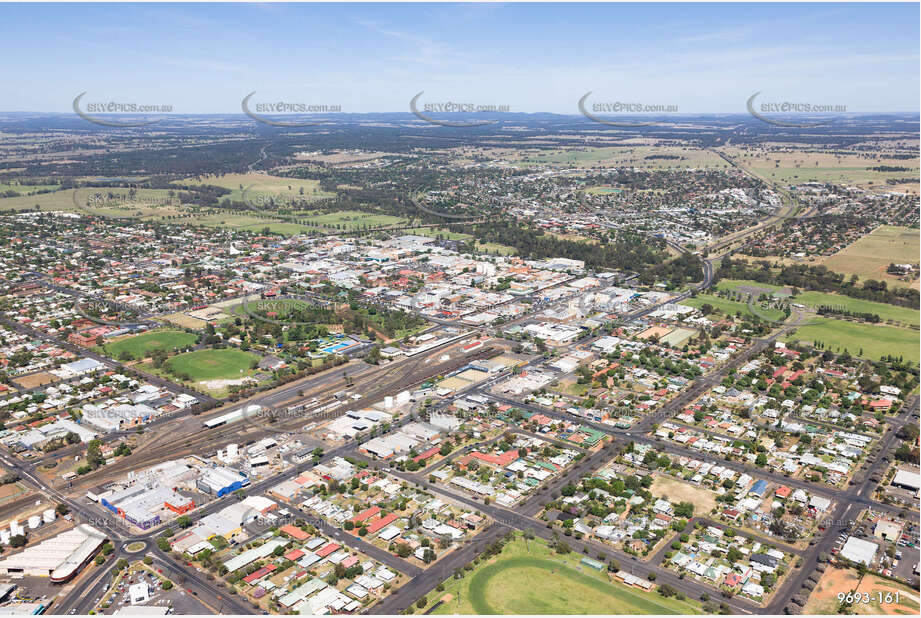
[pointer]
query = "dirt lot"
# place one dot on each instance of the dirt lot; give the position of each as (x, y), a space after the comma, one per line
(824, 599)
(655, 331)
(908, 600)
(678, 491)
(185, 321)
(36, 379)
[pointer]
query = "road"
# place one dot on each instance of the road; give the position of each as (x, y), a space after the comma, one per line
(375, 383)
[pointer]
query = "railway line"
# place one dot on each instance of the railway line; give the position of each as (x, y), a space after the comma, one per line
(197, 440)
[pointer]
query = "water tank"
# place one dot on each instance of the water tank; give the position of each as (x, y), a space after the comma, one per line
(5, 536)
(232, 451)
(49, 515)
(15, 528)
(34, 522)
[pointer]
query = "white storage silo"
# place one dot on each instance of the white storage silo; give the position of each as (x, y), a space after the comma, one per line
(34, 522)
(49, 515)
(232, 451)
(5, 536)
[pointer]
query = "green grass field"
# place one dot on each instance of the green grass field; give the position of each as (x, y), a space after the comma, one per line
(141, 346)
(730, 307)
(25, 189)
(144, 204)
(220, 364)
(259, 186)
(866, 340)
(350, 219)
(883, 310)
(542, 582)
(735, 284)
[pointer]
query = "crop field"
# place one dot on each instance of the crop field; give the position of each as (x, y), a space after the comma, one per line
(141, 346)
(865, 340)
(506, 585)
(219, 364)
(868, 257)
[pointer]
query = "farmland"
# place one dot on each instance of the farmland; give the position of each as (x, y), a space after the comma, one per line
(792, 166)
(869, 256)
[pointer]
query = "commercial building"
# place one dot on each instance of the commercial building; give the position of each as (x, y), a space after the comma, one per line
(59, 558)
(859, 550)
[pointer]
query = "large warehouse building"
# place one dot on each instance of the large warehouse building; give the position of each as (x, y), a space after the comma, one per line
(58, 558)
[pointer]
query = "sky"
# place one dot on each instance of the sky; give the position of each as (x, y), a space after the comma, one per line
(702, 58)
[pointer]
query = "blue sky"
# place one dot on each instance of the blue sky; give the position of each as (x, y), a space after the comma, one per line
(531, 57)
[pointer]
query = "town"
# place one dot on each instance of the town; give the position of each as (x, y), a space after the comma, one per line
(384, 365)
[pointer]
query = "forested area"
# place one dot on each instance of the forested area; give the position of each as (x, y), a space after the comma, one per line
(626, 252)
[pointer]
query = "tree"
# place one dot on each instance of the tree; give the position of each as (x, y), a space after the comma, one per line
(18, 540)
(403, 550)
(685, 510)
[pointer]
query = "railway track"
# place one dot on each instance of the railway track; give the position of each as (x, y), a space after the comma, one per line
(393, 380)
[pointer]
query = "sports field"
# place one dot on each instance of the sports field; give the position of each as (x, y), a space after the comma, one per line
(865, 340)
(141, 346)
(529, 578)
(220, 364)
